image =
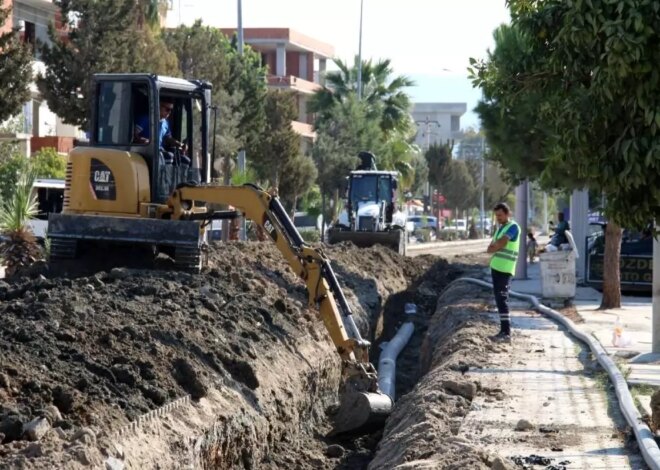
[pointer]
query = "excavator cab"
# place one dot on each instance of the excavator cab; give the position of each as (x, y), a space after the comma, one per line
(144, 114)
(148, 136)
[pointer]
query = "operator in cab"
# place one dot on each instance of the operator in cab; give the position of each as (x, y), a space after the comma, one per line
(165, 140)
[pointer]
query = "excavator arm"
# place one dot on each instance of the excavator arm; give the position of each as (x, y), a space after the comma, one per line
(362, 405)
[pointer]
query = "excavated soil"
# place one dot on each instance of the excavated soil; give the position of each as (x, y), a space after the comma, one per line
(421, 433)
(226, 369)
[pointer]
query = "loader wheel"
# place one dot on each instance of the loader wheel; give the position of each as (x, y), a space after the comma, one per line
(188, 259)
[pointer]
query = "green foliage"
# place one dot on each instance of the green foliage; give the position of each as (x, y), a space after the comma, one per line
(311, 236)
(385, 98)
(593, 69)
(239, 178)
(47, 163)
(458, 186)
(15, 70)
(297, 177)
(20, 249)
(340, 138)
(280, 143)
(102, 36)
(438, 159)
(11, 168)
(421, 172)
(239, 86)
(21, 206)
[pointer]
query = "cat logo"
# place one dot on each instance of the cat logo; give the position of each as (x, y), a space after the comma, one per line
(101, 181)
(270, 228)
(102, 176)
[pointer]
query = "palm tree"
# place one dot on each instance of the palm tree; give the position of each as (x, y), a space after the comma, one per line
(19, 247)
(386, 99)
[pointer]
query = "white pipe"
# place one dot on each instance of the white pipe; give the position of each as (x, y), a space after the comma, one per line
(387, 361)
(644, 436)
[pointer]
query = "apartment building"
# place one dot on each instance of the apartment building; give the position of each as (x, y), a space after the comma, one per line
(437, 122)
(295, 62)
(38, 126)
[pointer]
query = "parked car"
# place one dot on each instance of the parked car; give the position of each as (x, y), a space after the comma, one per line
(488, 226)
(459, 225)
(305, 222)
(636, 261)
(424, 226)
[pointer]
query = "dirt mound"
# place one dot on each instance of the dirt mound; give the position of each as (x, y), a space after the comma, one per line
(95, 355)
(421, 433)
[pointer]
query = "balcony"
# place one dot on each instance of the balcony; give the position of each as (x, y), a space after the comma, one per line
(293, 83)
(304, 129)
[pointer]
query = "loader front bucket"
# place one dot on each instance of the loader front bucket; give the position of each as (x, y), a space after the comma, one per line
(393, 239)
(361, 412)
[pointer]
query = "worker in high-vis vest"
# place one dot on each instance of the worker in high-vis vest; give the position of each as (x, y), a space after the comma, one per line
(504, 248)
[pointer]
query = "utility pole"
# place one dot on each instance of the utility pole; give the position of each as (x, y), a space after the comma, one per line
(242, 159)
(427, 122)
(656, 297)
(359, 77)
(545, 213)
(521, 218)
(483, 184)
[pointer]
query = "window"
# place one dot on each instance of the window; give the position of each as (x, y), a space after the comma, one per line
(455, 123)
(114, 114)
(384, 189)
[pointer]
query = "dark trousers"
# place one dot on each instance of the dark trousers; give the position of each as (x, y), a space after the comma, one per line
(501, 283)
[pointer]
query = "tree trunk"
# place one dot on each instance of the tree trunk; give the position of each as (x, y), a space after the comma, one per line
(322, 215)
(611, 268)
(336, 205)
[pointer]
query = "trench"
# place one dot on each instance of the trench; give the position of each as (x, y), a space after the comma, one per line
(379, 319)
(224, 370)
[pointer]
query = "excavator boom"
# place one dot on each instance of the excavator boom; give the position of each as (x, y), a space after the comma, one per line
(362, 405)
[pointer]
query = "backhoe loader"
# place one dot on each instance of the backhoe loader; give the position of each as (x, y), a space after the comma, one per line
(135, 184)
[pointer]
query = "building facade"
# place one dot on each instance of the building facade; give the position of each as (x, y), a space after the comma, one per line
(437, 122)
(37, 126)
(295, 62)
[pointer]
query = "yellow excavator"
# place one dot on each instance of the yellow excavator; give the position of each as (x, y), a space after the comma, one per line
(144, 180)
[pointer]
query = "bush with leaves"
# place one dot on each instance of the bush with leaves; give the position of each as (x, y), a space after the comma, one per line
(19, 247)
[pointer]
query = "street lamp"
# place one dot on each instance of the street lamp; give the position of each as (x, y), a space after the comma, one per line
(427, 122)
(359, 76)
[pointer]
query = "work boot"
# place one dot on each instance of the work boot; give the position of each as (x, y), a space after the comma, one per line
(502, 337)
(505, 333)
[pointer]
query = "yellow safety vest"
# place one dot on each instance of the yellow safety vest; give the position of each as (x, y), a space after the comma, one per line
(504, 260)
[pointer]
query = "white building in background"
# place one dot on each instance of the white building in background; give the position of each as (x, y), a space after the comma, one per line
(37, 126)
(437, 122)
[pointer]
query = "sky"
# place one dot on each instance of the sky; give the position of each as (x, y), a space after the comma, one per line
(429, 41)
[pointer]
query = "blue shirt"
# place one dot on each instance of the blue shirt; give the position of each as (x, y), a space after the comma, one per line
(144, 130)
(512, 232)
(142, 126)
(163, 131)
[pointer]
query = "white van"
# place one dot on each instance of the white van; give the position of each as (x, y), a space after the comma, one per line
(49, 194)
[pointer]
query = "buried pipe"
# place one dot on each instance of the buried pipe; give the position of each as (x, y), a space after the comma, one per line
(643, 434)
(390, 351)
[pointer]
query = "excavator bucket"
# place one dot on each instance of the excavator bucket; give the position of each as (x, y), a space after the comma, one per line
(393, 239)
(361, 412)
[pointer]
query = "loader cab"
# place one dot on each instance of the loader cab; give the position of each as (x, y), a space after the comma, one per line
(373, 187)
(131, 112)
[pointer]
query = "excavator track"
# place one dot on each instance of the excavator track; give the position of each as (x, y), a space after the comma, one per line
(188, 258)
(63, 248)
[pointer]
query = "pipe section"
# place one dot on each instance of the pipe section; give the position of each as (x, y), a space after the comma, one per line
(391, 350)
(643, 434)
